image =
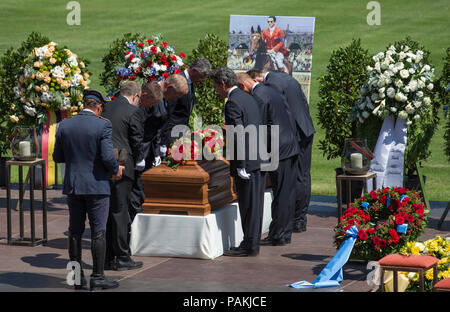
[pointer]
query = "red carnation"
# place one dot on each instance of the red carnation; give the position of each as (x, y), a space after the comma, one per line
(371, 231)
(177, 71)
(383, 199)
(366, 218)
(376, 240)
(132, 77)
(182, 55)
(351, 210)
(141, 44)
(374, 194)
(152, 78)
(409, 218)
(153, 49)
(164, 44)
(165, 75)
(131, 57)
(385, 190)
(149, 41)
(127, 53)
(399, 220)
(383, 243)
(362, 235)
(173, 58)
(164, 58)
(394, 235)
(113, 98)
(142, 54)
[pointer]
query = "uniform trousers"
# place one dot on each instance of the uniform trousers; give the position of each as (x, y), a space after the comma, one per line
(284, 196)
(251, 208)
(95, 206)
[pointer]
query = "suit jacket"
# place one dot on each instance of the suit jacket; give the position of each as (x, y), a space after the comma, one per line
(155, 119)
(274, 112)
(179, 112)
(128, 131)
(298, 105)
(84, 143)
(242, 109)
(274, 41)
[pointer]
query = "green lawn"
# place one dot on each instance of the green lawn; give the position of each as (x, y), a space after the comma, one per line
(183, 23)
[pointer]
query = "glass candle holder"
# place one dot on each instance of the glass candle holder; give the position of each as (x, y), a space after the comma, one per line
(356, 156)
(25, 144)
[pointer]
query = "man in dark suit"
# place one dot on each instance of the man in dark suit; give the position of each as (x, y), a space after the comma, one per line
(274, 113)
(180, 110)
(242, 110)
(84, 144)
(298, 107)
(127, 136)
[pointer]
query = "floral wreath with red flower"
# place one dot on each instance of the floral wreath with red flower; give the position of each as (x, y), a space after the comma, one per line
(386, 219)
(150, 60)
(209, 140)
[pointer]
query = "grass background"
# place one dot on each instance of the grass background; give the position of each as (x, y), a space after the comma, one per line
(183, 23)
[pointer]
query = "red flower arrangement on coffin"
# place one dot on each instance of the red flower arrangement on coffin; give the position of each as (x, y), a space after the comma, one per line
(386, 218)
(187, 148)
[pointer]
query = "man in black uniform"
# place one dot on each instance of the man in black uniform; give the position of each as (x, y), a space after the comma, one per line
(299, 109)
(127, 135)
(241, 109)
(180, 110)
(274, 112)
(84, 144)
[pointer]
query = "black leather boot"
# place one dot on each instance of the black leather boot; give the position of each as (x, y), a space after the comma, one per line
(98, 279)
(75, 255)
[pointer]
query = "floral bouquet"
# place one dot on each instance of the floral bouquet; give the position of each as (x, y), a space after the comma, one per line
(150, 60)
(52, 78)
(209, 139)
(399, 84)
(386, 218)
(437, 247)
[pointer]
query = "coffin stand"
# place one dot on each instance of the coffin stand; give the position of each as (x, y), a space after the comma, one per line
(195, 189)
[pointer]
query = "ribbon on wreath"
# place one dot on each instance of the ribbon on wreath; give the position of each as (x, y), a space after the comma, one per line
(332, 274)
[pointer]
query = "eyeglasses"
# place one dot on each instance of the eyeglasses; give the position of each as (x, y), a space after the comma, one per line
(270, 21)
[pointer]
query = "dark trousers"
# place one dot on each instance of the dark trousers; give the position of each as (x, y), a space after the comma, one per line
(95, 206)
(137, 195)
(303, 185)
(284, 195)
(117, 238)
(251, 208)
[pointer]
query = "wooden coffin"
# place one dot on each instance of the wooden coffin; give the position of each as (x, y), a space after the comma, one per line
(195, 189)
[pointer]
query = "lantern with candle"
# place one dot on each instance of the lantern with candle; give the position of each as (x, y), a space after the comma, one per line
(356, 156)
(24, 143)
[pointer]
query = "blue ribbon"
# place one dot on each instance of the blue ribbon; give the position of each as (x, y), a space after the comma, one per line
(403, 197)
(388, 201)
(331, 275)
(401, 228)
(365, 205)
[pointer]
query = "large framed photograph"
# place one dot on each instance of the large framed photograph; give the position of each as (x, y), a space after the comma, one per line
(281, 43)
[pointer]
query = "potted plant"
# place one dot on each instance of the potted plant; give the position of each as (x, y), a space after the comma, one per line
(338, 91)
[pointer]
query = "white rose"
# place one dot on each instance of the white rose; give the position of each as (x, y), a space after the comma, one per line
(398, 83)
(404, 73)
(409, 60)
(369, 68)
(392, 48)
(409, 122)
(413, 85)
(400, 97)
(411, 70)
(402, 55)
(430, 86)
(409, 109)
(427, 68)
(399, 65)
(390, 92)
(402, 114)
(419, 93)
(420, 84)
(417, 104)
(377, 67)
(406, 89)
(416, 117)
(393, 109)
(427, 100)
(385, 64)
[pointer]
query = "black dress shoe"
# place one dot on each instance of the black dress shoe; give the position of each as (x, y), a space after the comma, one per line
(299, 228)
(110, 265)
(127, 264)
(274, 242)
(101, 282)
(240, 253)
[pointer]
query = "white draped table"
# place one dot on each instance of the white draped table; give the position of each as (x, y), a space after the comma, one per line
(204, 237)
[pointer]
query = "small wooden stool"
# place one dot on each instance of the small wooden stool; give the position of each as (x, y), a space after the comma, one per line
(349, 178)
(443, 285)
(408, 263)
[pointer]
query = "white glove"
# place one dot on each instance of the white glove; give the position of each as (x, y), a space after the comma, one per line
(243, 174)
(271, 51)
(163, 150)
(140, 165)
(157, 161)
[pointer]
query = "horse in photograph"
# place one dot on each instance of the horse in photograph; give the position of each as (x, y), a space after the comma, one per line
(258, 53)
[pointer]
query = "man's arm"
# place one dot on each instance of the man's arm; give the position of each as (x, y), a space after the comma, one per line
(106, 149)
(279, 37)
(58, 152)
(136, 135)
(233, 117)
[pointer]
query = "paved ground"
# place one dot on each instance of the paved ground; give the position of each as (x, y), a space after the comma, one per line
(43, 268)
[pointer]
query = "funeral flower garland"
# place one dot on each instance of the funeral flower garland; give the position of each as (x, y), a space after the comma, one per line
(399, 84)
(52, 78)
(209, 140)
(386, 219)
